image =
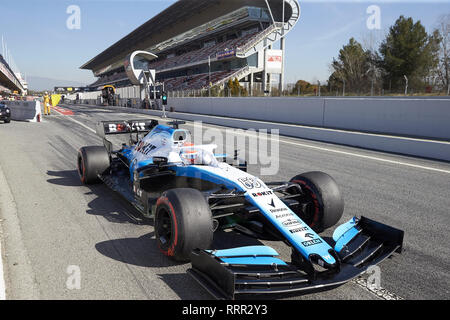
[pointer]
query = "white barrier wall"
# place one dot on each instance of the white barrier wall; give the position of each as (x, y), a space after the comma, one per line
(410, 117)
(432, 149)
(306, 111)
(25, 110)
(419, 117)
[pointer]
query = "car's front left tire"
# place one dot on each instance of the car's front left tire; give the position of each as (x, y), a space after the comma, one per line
(183, 222)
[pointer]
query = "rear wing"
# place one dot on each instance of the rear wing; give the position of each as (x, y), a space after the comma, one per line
(105, 128)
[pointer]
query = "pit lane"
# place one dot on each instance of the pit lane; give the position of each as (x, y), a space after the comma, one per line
(63, 223)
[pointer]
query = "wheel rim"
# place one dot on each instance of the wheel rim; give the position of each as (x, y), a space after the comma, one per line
(309, 205)
(308, 210)
(164, 228)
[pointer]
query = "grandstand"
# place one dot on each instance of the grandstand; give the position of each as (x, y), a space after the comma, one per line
(204, 43)
(10, 81)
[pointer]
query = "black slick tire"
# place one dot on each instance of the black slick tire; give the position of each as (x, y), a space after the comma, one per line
(324, 206)
(183, 223)
(91, 162)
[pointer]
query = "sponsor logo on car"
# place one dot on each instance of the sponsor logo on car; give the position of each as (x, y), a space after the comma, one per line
(290, 223)
(145, 147)
(262, 193)
(283, 215)
(298, 230)
(278, 210)
(311, 242)
(250, 183)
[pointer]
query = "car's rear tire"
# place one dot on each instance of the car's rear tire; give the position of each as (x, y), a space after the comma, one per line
(183, 223)
(91, 162)
(323, 204)
(7, 121)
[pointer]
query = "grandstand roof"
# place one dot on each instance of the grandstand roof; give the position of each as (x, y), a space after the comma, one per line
(8, 78)
(181, 16)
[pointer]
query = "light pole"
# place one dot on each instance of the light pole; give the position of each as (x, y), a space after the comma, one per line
(406, 85)
(343, 90)
(373, 70)
(209, 76)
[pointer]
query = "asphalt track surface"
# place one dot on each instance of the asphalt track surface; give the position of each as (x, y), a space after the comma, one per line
(50, 221)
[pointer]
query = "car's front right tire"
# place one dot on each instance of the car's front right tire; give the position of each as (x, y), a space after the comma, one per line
(322, 202)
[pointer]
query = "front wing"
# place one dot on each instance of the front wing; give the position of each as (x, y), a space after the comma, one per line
(234, 273)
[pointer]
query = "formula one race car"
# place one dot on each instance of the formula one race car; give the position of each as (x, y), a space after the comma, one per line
(190, 192)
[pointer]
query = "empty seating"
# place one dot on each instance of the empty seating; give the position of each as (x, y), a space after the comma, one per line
(201, 54)
(198, 81)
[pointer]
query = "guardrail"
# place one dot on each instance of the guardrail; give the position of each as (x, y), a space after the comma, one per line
(242, 50)
(238, 74)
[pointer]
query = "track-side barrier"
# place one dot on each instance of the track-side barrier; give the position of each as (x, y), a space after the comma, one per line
(25, 110)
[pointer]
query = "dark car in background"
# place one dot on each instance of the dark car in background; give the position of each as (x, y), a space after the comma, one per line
(5, 113)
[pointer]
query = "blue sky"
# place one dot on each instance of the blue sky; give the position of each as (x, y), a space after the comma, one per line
(42, 45)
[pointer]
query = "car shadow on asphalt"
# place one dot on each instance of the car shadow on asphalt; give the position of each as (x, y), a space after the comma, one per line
(144, 252)
(106, 202)
(141, 252)
(185, 286)
(67, 178)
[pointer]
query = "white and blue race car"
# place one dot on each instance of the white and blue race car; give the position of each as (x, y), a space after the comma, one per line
(190, 192)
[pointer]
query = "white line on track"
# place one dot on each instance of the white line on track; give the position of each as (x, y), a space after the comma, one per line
(369, 157)
(380, 292)
(353, 154)
(80, 123)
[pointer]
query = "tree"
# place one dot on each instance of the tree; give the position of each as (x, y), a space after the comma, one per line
(408, 50)
(230, 86)
(351, 67)
(235, 88)
(302, 87)
(443, 67)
